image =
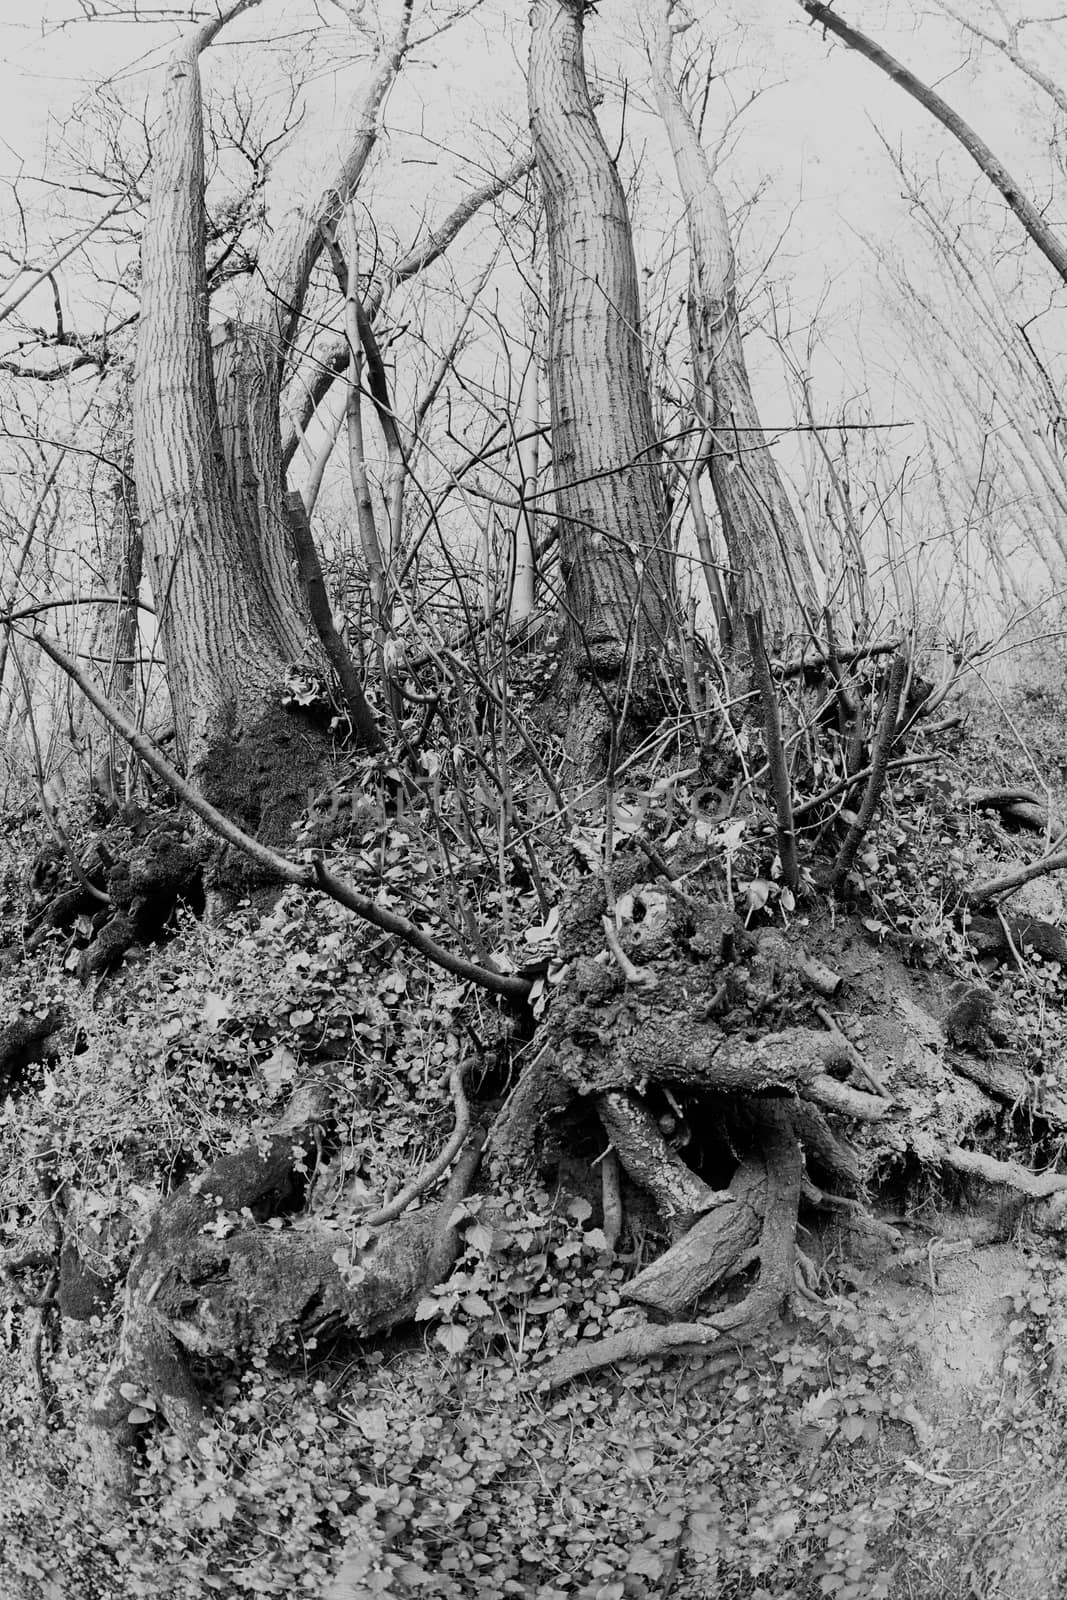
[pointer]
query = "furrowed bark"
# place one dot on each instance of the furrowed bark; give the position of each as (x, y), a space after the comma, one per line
(219, 626)
(617, 571)
(1051, 247)
(649, 1160)
(770, 569)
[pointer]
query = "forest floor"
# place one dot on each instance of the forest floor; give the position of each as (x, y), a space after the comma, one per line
(899, 1433)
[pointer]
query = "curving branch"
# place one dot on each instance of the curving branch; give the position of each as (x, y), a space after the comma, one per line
(318, 372)
(430, 1173)
(1051, 247)
(314, 876)
(993, 888)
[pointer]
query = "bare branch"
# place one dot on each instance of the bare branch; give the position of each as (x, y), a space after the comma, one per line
(1051, 247)
(317, 875)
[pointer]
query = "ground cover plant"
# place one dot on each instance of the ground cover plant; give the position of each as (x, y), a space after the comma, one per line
(532, 1000)
(444, 1449)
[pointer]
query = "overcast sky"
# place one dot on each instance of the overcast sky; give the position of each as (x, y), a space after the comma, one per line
(812, 143)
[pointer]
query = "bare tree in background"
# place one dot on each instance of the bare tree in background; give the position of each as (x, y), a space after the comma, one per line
(769, 565)
(617, 567)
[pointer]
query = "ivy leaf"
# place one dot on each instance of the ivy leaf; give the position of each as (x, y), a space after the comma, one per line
(453, 1337)
(373, 1423)
(280, 1067)
(217, 1010)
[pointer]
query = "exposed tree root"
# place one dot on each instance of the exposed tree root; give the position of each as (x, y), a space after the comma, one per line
(1022, 807)
(999, 935)
(540, 1096)
(436, 1168)
(715, 1246)
(162, 867)
(993, 888)
(611, 1200)
(776, 1252)
(24, 1043)
(1035, 1185)
(827, 1156)
(1007, 1083)
(639, 1044)
(650, 1162)
(208, 1281)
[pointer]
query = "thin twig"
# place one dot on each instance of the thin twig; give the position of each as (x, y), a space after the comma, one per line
(855, 779)
(805, 664)
(430, 1174)
(858, 1064)
(667, 872)
(883, 743)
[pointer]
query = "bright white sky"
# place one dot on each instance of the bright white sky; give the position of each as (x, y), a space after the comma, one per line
(812, 141)
(811, 138)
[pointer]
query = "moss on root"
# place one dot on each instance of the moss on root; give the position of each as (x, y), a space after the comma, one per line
(265, 781)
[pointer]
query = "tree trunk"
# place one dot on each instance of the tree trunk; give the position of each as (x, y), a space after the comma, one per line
(250, 352)
(114, 634)
(226, 655)
(770, 569)
(616, 561)
(208, 464)
(523, 566)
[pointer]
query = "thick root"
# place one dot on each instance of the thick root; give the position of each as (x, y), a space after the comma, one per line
(716, 1246)
(206, 1281)
(777, 1255)
(667, 1046)
(650, 1161)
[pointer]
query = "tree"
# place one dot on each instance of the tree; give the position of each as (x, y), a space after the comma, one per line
(1044, 236)
(770, 570)
(207, 444)
(639, 858)
(618, 582)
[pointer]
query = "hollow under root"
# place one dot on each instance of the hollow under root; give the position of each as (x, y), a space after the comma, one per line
(775, 1250)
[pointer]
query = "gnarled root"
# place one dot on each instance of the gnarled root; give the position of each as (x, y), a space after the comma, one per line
(206, 1280)
(649, 1160)
(776, 1253)
(717, 1245)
